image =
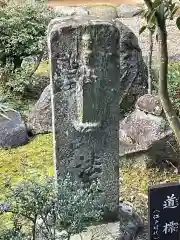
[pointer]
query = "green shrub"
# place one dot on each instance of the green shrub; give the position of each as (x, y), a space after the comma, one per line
(23, 28)
(19, 80)
(174, 85)
(37, 210)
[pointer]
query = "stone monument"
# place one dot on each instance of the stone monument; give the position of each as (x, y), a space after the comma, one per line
(85, 72)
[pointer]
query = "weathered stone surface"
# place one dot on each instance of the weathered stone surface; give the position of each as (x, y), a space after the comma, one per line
(128, 11)
(40, 118)
(132, 83)
(70, 10)
(149, 104)
(84, 55)
(130, 221)
(139, 130)
(109, 231)
(146, 140)
(103, 12)
(133, 71)
(36, 89)
(13, 131)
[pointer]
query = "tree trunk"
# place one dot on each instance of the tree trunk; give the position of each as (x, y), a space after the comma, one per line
(39, 58)
(150, 62)
(163, 84)
(163, 71)
(34, 229)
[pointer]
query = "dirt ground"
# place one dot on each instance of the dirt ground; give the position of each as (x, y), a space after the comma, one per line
(93, 2)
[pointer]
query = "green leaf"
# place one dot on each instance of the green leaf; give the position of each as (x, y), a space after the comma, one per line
(142, 29)
(178, 23)
(174, 12)
(166, 12)
(156, 37)
(151, 27)
(171, 6)
(156, 4)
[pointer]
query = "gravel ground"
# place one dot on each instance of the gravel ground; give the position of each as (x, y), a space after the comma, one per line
(173, 37)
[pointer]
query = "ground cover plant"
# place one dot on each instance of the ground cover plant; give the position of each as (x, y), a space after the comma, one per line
(36, 211)
(23, 28)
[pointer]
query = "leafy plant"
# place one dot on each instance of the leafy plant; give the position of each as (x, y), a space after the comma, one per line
(42, 210)
(174, 85)
(23, 27)
(19, 80)
(23, 30)
(5, 106)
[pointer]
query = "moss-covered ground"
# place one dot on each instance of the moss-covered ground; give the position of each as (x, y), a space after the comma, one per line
(36, 158)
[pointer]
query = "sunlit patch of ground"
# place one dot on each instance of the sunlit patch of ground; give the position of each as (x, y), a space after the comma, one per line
(92, 2)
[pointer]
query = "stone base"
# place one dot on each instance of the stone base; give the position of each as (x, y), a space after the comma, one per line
(109, 231)
(125, 228)
(161, 154)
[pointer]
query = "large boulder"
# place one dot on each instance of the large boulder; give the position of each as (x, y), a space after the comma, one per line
(146, 140)
(40, 117)
(133, 70)
(13, 132)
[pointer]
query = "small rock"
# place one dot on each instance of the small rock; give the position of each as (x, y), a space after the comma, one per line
(150, 104)
(141, 130)
(130, 221)
(13, 132)
(146, 140)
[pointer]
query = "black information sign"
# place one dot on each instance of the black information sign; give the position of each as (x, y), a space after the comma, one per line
(164, 211)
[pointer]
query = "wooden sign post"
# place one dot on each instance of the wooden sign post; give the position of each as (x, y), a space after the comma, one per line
(164, 211)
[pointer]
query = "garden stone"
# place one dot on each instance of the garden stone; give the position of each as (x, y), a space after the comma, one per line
(103, 12)
(106, 231)
(37, 89)
(146, 140)
(133, 70)
(40, 117)
(70, 10)
(150, 104)
(84, 54)
(128, 11)
(109, 231)
(13, 132)
(130, 221)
